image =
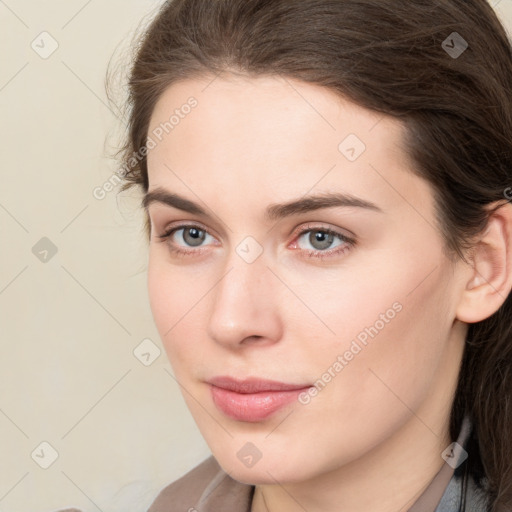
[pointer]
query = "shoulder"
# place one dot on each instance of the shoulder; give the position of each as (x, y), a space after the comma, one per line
(207, 484)
(206, 487)
(187, 490)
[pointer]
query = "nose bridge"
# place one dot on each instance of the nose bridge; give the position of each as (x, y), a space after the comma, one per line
(243, 302)
(246, 265)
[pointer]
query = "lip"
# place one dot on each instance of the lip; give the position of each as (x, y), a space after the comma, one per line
(252, 399)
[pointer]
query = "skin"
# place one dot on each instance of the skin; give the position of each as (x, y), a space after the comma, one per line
(372, 438)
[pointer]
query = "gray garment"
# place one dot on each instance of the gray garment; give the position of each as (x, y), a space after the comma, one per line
(474, 499)
(207, 488)
(458, 489)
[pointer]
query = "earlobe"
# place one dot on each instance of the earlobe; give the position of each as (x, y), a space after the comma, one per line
(488, 279)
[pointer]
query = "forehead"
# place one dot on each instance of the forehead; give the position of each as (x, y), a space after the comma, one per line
(264, 101)
(264, 118)
(279, 137)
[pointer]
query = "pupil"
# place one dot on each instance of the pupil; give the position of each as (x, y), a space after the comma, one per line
(322, 238)
(193, 236)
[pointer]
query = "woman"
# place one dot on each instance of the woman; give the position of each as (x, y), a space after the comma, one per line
(326, 188)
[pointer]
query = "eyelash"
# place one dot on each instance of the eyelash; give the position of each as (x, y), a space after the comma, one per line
(349, 242)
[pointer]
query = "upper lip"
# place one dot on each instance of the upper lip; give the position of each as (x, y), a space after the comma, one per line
(253, 385)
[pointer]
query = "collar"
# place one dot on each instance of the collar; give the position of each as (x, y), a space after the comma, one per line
(449, 490)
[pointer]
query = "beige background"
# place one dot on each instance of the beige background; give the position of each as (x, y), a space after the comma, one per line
(70, 323)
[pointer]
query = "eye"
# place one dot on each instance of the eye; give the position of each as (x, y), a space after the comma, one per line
(321, 239)
(191, 235)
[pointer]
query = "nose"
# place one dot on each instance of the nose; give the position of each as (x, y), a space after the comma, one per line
(244, 305)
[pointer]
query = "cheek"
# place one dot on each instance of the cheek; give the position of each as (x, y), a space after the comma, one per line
(350, 301)
(158, 287)
(387, 364)
(391, 318)
(177, 298)
(167, 294)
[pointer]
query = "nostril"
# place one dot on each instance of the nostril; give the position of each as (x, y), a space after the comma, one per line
(252, 339)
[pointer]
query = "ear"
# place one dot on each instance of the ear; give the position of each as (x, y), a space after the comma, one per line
(488, 278)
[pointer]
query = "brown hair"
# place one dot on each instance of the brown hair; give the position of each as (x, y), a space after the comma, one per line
(388, 56)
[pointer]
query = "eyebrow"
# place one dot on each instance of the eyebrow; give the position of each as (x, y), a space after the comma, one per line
(273, 211)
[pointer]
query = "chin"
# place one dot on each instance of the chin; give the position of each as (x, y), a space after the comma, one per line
(264, 471)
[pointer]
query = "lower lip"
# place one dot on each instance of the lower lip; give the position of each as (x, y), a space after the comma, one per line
(252, 406)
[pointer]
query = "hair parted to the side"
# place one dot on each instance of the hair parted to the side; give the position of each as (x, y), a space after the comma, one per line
(387, 56)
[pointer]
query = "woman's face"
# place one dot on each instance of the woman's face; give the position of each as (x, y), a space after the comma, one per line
(248, 288)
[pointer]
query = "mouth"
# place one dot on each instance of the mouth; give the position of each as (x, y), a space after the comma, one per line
(253, 399)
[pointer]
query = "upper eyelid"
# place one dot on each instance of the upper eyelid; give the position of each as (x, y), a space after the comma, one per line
(335, 230)
(177, 227)
(300, 231)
